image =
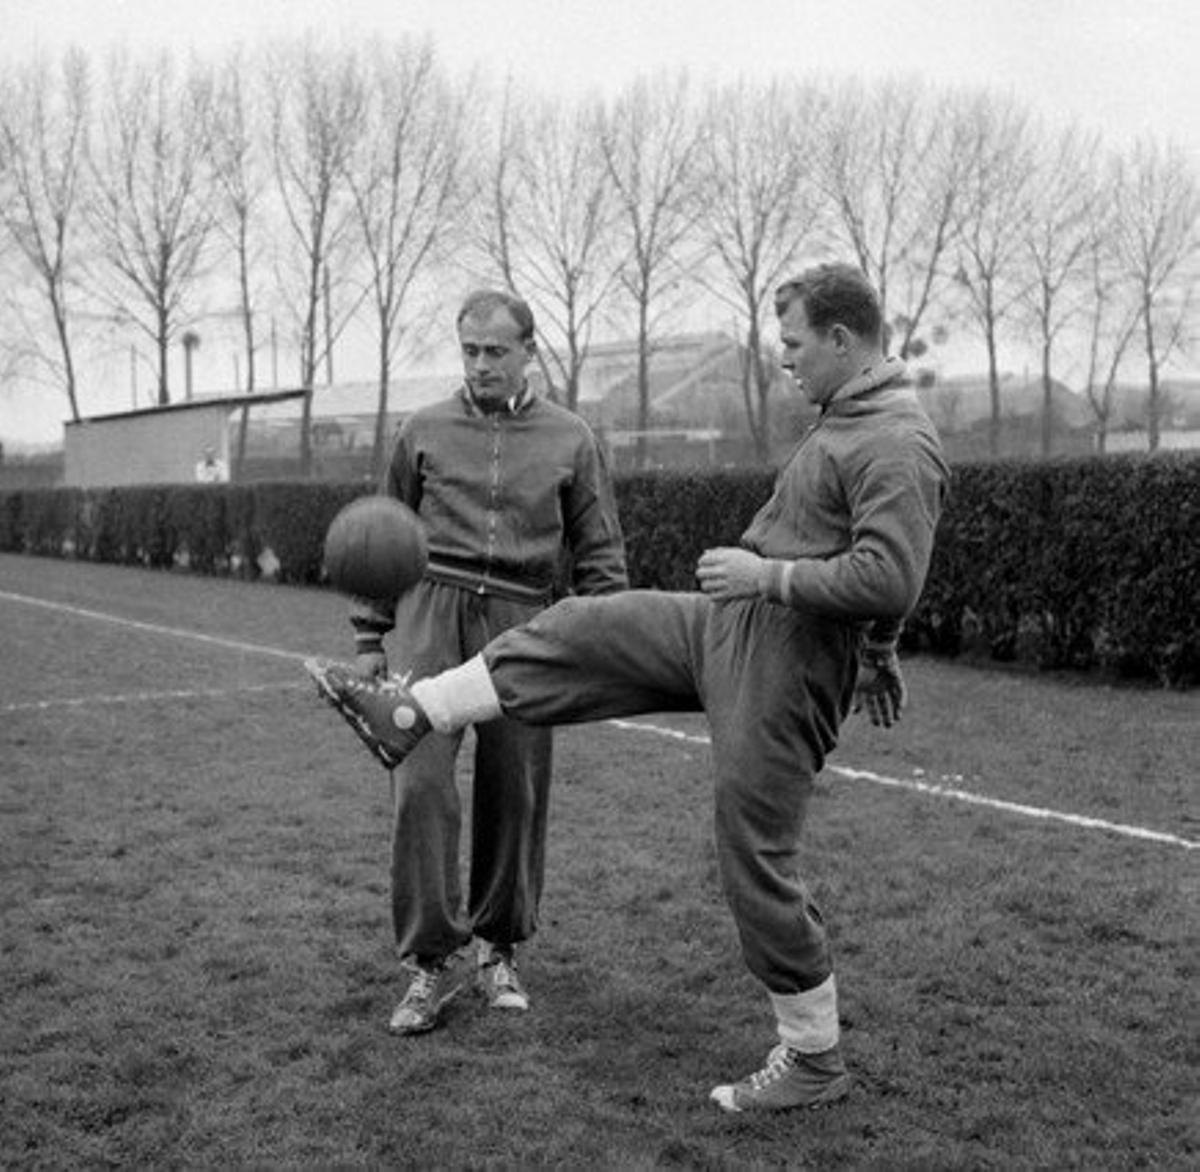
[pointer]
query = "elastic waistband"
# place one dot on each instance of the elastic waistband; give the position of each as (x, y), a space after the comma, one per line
(487, 583)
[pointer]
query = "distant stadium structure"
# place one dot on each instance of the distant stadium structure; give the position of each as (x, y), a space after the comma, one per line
(697, 417)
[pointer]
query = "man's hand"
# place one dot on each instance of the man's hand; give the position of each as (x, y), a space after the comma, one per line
(729, 572)
(371, 665)
(880, 688)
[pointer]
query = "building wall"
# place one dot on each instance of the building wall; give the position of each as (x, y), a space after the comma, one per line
(1169, 440)
(149, 448)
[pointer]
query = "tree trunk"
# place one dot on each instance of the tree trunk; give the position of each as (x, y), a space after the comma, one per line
(164, 394)
(643, 387)
(239, 457)
(381, 411)
(308, 373)
(994, 419)
(247, 314)
(1047, 404)
(762, 388)
(60, 325)
(1152, 436)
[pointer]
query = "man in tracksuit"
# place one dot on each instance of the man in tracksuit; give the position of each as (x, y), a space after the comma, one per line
(511, 488)
(790, 631)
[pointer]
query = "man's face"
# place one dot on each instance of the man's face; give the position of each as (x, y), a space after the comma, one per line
(494, 356)
(816, 361)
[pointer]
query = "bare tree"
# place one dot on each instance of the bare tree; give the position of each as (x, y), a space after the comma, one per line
(762, 210)
(994, 206)
(1157, 235)
(650, 138)
(1111, 309)
(43, 144)
(316, 103)
(492, 230)
(1056, 242)
(152, 211)
(240, 182)
(893, 168)
(405, 180)
(548, 227)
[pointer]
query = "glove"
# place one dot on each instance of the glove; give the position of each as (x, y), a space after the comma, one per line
(880, 688)
(371, 665)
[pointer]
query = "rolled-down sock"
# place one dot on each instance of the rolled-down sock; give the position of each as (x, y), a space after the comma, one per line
(457, 697)
(808, 1021)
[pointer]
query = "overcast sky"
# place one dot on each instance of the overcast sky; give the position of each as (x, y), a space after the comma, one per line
(1124, 67)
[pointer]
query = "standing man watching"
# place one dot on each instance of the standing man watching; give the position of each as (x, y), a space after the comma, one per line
(789, 631)
(510, 488)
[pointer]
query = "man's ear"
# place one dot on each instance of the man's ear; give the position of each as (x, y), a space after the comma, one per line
(842, 338)
(530, 347)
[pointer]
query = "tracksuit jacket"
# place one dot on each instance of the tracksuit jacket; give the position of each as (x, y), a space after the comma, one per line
(849, 527)
(495, 520)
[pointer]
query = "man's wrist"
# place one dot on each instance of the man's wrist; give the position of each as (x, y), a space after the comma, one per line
(368, 643)
(877, 653)
(369, 631)
(771, 575)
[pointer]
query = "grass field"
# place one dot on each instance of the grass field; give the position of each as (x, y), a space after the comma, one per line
(197, 968)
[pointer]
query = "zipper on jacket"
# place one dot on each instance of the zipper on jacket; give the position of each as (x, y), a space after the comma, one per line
(493, 506)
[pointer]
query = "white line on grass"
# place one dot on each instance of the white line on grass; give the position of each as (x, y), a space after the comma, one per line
(154, 628)
(912, 785)
(943, 791)
(148, 697)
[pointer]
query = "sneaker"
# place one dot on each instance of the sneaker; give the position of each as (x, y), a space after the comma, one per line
(497, 976)
(432, 987)
(789, 1079)
(384, 713)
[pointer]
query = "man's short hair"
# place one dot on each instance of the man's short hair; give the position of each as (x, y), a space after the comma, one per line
(484, 302)
(834, 294)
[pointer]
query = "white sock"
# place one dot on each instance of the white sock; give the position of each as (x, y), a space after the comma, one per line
(460, 696)
(808, 1021)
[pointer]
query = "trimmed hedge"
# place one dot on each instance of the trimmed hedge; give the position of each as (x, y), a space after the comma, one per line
(1081, 564)
(669, 517)
(243, 530)
(1071, 564)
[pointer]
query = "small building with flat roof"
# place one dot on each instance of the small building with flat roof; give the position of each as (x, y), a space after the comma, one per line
(156, 445)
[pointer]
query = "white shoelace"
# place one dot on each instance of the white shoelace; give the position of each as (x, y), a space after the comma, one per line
(779, 1062)
(422, 985)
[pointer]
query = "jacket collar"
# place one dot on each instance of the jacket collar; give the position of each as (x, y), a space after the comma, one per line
(890, 370)
(510, 406)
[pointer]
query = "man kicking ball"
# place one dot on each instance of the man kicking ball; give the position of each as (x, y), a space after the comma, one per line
(789, 631)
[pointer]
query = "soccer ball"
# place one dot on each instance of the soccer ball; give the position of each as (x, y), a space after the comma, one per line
(375, 549)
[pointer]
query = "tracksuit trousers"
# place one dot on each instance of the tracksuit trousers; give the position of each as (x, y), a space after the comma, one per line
(775, 684)
(438, 627)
